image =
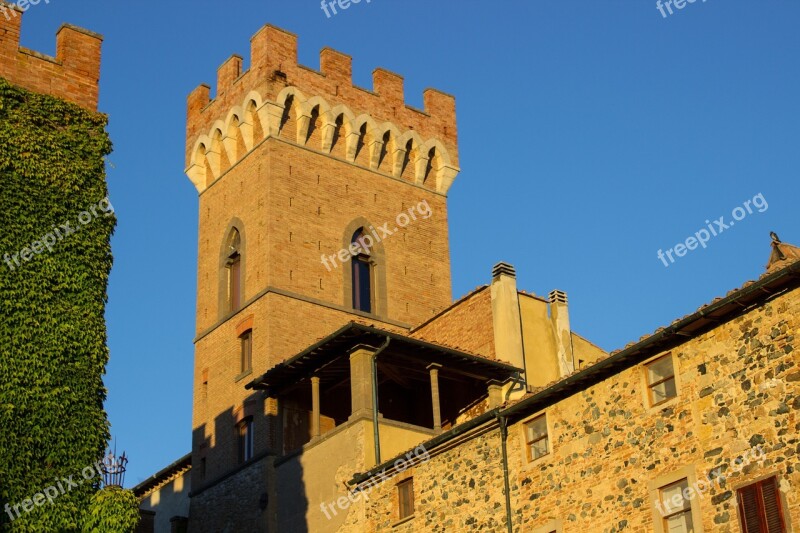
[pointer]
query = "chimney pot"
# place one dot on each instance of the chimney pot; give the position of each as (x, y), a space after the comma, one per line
(504, 269)
(557, 296)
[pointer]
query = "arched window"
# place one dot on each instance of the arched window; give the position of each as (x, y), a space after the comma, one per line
(233, 272)
(362, 272)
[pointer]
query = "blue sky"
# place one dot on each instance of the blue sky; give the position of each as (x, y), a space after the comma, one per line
(592, 134)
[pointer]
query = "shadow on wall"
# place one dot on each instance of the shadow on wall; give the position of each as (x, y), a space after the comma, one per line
(234, 482)
(165, 499)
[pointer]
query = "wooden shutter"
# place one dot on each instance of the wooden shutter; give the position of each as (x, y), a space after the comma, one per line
(749, 509)
(772, 506)
(405, 493)
(760, 507)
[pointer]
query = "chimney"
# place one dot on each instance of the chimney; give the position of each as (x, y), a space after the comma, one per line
(559, 316)
(506, 317)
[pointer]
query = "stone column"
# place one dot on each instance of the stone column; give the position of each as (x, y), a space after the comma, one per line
(315, 407)
(361, 381)
(433, 368)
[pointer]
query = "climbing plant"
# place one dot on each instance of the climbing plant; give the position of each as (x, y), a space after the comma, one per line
(55, 230)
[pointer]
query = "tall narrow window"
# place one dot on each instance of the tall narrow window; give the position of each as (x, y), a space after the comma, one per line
(760, 509)
(233, 272)
(246, 442)
(405, 498)
(246, 341)
(676, 511)
(362, 274)
(536, 438)
(661, 380)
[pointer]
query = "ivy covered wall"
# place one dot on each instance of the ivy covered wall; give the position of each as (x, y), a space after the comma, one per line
(55, 229)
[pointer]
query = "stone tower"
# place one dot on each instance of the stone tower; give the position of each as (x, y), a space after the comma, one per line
(291, 166)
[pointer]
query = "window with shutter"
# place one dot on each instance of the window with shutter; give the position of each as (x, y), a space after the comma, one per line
(405, 493)
(760, 507)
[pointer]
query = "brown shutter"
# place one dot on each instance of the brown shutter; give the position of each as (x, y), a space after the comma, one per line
(772, 506)
(749, 508)
(760, 507)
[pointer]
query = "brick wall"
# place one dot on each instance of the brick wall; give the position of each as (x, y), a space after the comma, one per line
(467, 325)
(73, 75)
(274, 66)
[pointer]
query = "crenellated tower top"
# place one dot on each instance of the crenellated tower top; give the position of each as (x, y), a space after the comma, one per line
(277, 97)
(73, 75)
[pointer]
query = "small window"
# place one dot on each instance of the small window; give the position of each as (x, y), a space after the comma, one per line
(233, 272)
(676, 511)
(536, 438)
(661, 380)
(246, 442)
(405, 498)
(362, 275)
(246, 341)
(760, 509)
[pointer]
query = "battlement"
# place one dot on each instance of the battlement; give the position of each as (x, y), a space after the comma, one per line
(73, 75)
(281, 98)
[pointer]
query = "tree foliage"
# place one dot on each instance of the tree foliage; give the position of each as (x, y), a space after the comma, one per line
(113, 510)
(52, 328)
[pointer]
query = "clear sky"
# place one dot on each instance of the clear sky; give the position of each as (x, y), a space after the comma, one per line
(592, 134)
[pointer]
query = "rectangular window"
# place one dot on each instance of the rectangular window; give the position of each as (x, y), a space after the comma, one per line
(247, 351)
(661, 380)
(245, 437)
(405, 498)
(676, 511)
(760, 508)
(536, 438)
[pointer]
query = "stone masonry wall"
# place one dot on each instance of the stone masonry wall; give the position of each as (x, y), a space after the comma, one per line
(233, 504)
(738, 397)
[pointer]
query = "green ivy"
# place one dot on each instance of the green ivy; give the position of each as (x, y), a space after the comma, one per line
(113, 510)
(52, 328)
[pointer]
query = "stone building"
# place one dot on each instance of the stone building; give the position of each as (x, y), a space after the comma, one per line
(692, 428)
(337, 387)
